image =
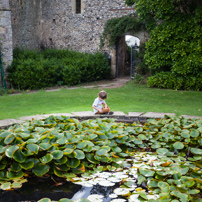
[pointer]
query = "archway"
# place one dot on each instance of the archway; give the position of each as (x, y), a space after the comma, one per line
(123, 49)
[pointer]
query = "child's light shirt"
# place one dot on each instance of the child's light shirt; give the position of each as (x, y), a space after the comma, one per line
(98, 103)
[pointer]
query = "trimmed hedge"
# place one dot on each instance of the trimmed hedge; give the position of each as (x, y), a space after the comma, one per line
(170, 80)
(51, 67)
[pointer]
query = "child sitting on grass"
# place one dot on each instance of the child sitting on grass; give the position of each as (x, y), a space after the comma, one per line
(99, 104)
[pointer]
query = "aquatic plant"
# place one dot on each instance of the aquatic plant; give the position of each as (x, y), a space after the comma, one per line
(160, 161)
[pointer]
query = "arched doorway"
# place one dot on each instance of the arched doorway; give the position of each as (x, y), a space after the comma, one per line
(123, 54)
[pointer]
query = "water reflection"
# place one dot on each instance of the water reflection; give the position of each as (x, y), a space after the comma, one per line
(38, 188)
(84, 192)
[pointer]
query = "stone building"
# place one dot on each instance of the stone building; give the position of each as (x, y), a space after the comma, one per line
(73, 24)
(6, 44)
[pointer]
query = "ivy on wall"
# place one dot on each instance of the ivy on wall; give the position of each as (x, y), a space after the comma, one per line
(116, 27)
(175, 45)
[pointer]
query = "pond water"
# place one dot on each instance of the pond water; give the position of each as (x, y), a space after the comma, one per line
(38, 188)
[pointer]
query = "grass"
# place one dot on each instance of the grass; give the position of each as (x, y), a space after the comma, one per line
(130, 98)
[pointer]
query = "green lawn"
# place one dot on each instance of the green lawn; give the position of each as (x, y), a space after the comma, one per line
(130, 98)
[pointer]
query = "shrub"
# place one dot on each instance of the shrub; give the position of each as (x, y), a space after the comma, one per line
(170, 80)
(35, 70)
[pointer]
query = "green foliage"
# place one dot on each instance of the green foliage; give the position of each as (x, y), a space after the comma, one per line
(172, 81)
(165, 153)
(116, 27)
(36, 70)
(175, 42)
(141, 67)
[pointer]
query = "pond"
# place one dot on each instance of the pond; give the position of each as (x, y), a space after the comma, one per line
(102, 161)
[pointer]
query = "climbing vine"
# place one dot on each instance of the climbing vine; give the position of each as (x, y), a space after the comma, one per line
(116, 27)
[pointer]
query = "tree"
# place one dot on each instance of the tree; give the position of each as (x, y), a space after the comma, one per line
(175, 43)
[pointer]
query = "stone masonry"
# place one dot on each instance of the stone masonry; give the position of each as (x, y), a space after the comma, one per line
(6, 33)
(38, 24)
(55, 24)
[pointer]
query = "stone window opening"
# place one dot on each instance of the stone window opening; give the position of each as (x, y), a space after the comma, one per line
(78, 6)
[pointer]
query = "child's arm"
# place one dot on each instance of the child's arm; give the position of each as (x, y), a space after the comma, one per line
(100, 110)
(105, 105)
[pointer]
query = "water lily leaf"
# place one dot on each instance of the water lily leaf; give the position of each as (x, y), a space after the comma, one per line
(194, 133)
(45, 146)
(27, 165)
(162, 151)
(10, 138)
(116, 149)
(16, 185)
(24, 135)
(9, 152)
(152, 183)
(73, 163)
(182, 196)
(178, 145)
(61, 161)
(80, 154)
(69, 176)
(63, 167)
(62, 140)
(141, 179)
(81, 145)
(164, 186)
(139, 129)
(65, 200)
(14, 175)
(46, 159)
(185, 135)
(68, 135)
(78, 170)
(41, 169)
(5, 134)
(34, 148)
(101, 152)
(194, 191)
(122, 191)
(196, 151)
(2, 166)
(6, 186)
(92, 136)
(190, 183)
(44, 200)
(68, 151)
(72, 155)
(3, 149)
(18, 156)
(57, 154)
(142, 137)
(35, 160)
(137, 141)
(58, 173)
(146, 172)
(15, 167)
(74, 140)
(91, 158)
(95, 198)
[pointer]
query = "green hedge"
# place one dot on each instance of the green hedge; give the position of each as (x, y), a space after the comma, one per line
(172, 81)
(51, 67)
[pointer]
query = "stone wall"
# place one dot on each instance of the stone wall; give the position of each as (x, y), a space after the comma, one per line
(54, 23)
(6, 33)
(39, 24)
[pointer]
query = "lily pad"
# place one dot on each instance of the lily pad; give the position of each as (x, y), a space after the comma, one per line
(41, 169)
(178, 145)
